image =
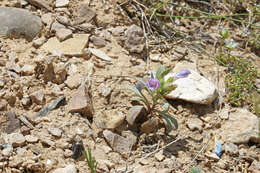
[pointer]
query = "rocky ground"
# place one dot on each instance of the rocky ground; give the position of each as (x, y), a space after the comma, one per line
(63, 66)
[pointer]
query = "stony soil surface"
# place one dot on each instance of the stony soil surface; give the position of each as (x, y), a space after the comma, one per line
(66, 86)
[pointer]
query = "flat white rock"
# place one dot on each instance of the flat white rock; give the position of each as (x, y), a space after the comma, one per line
(100, 54)
(193, 88)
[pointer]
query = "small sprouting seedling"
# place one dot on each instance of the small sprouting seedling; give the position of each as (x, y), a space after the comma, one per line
(157, 87)
(195, 170)
(91, 162)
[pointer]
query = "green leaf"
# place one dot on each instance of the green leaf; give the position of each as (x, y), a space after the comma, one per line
(165, 72)
(145, 86)
(136, 91)
(165, 106)
(169, 119)
(139, 99)
(195, 170)
(170, 80)
(159, 71)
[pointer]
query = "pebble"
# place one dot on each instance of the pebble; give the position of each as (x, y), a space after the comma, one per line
(61, 3)
(68, 169)
(98, 41)
(81, 102)
(7, 151)
(195, 124)
(38, 97)
(150, 125)
(55, 132)
(15, 139)
(231, 149)
(31, 138)
(134, 39)
(73, 81)
(100, 54)
(63, 34)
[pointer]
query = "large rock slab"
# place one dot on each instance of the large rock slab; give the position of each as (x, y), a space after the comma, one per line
(241, 127)
(15, 22)
(193, 88)
(71, 47)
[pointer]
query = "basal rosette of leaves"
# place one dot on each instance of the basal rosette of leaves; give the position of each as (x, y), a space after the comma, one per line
(157, 87)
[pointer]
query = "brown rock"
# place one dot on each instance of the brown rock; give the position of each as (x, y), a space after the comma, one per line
(38, 97)
(194, 124)
(81, 102)
(136, 114)
(3, 105)
(63, 34)
(60, 73)
(150, 125)
(109, 119)
(98, 41)
(135, 39)
(117, 142)
(13, 123)
(41, 4)
(73, 81)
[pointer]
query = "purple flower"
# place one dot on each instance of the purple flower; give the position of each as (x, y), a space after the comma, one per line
(153, 83)
(182, 74)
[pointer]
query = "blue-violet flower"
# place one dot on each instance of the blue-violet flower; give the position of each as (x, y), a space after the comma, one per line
(182, 74)
(153, 83)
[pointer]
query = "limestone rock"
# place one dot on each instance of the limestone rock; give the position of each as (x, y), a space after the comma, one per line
(73, 81)
(55, 132)
(195, 124)
(117, 142)
(71, 47)
(61, 3)
(68, 169)
(63, 34)
(15, 139)
(135, 39)
(38, 97)
(109, 119)
(100, 54)
(15, 22)
(136, 114)
(193, 88)
(241, 127)
(31, 138)
(81, 102)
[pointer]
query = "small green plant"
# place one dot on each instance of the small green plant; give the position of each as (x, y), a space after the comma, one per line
(157, 87)
(91, 162)
(241, 75)
(195, 170)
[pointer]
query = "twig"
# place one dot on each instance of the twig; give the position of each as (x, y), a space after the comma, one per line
(159, 149)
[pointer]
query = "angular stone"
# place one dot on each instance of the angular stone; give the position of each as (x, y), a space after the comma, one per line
(241, 127)
(104, 90)
(73, 81)
(100, 54)
(41, 4)
(13, 123)
(8, 150)
(193, 88)
(55, 132)
(135, 39)
(71, 47)
(16, 22)
(38, 97)
(98, 41)
(194, 124)
(68, 169)
(136, 114)
(47, 19)
(31, 138)
(63, 34)
(57, 26)
(150, 125)
(231, 148)
(81, 102)
(85, 14)
(118, 143)
(27, 70)
(61, 3)
(15, 139)
(109, 119)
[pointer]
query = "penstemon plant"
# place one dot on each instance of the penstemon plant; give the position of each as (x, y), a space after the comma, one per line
(157, 87)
